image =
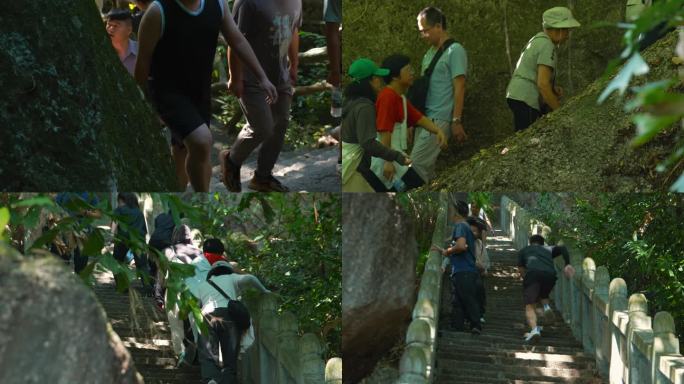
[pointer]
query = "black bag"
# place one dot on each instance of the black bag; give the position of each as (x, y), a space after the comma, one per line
(237, 311)
(417, 94)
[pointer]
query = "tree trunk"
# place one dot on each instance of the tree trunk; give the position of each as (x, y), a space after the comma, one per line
(72, 117)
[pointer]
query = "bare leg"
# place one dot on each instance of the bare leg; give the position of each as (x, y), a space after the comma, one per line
(198, 164)
(180, 155)
(531, 316)
(332, 36)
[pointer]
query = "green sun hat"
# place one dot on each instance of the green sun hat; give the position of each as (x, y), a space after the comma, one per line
(559, 17)
(363, 68)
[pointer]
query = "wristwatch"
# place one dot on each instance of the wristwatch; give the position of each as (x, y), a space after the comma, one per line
(455, 120)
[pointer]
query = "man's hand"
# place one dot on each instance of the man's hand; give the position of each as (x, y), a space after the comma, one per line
(388, 170)
(270, 89)
(236, 87)
(407, 160)
(458, 132)
(441, 139)
(558, 91)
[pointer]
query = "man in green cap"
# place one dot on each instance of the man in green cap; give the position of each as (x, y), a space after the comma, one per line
(358, 128)
(533, 80)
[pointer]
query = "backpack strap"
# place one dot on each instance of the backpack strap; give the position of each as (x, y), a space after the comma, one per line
(221, 291)
(438, 55)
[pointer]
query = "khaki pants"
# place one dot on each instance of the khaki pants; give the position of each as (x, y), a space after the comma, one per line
(357, 183)
(426, 149)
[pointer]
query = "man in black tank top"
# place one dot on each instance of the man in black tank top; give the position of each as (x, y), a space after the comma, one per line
(177, 43)
(271, 28)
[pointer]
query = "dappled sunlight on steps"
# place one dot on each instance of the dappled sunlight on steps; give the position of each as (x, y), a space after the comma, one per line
(500, 355)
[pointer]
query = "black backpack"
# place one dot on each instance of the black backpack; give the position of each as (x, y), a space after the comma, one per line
(417, 94)
(237, 311)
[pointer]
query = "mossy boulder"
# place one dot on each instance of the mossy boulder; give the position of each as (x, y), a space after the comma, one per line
(493, 34)
(583, 146)
(72, 117)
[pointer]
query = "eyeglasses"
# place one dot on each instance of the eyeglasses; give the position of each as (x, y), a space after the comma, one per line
(425, 31)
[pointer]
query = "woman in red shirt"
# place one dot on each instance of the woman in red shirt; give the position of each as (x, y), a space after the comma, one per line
(395, 122)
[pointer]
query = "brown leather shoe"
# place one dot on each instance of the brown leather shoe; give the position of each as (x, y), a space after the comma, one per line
(230, 173)
(270, 184)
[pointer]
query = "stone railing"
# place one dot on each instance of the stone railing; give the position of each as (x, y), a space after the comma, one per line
(279, 354)
(629, 346)
(418, 361)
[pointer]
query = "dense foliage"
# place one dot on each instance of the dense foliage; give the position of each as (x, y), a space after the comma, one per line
(636, 236)
(290, 241)
(656, 105)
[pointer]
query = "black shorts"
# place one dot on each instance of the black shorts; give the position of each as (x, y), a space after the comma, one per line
(182, 113)
(523, 114)
(537, 285)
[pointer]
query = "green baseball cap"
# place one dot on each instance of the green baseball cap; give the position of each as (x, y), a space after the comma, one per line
(363, 68)
(559, 17)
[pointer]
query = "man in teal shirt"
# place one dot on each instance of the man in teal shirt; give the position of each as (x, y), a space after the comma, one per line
(535, 71)
(444, 103)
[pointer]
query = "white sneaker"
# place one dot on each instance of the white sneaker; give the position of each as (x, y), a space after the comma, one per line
(212, 381)
(533, 335)
(482, 320)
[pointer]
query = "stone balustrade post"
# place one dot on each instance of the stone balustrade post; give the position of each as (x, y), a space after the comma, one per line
(288, 346)
(639, 340)
(333, 371)
(601, 320)
(312, 368)
(413, 366)
(418, 335)
(576, 296)
(665, 343)
(587, 315)
(617, 296)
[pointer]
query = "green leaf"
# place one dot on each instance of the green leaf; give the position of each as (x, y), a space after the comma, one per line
(678, 185)
(649, 125)
(635, 66)
(94, 243)
(40, 201)
(4, 219)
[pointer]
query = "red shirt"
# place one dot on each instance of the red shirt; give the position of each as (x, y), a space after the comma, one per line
(389, 111)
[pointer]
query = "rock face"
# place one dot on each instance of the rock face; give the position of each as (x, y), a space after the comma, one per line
(52, 329)
(493, 34)
(379, 254)
(583, 146)
(72, 116)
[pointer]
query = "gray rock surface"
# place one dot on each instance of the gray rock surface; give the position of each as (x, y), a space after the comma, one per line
(53, 330)
(379, 254)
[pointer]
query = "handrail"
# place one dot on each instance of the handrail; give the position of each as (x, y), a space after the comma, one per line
(628, 345)
(418, 360)
(279, 354)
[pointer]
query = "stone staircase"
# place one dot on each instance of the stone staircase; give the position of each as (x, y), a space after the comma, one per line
(145, 333)
(500, 354)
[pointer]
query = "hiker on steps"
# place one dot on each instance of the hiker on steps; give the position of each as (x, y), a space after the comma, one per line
(464, 273)
(532, 88)
(395, 121)
(444, 65)
(482, 262)
(535, 263)
(229, 322)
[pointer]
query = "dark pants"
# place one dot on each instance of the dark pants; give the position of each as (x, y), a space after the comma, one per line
(120, 251)
(464, 300)
(223, 334)
(523, 114)
(481, 295)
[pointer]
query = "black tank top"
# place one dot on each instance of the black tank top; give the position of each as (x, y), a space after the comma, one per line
(183, 58)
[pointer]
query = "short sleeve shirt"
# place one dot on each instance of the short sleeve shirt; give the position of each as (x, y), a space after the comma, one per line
(536, 258)
(440, 98)
(269, 27)
(464, 261)
(389, 110)
(523, 85)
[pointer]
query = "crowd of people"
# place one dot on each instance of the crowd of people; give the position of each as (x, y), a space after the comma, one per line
(172, 60)
(468, 262)
(394, 126)
(217, 283)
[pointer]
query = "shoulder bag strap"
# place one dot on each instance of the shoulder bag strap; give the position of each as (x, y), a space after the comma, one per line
(435, 59)
(219, 290)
